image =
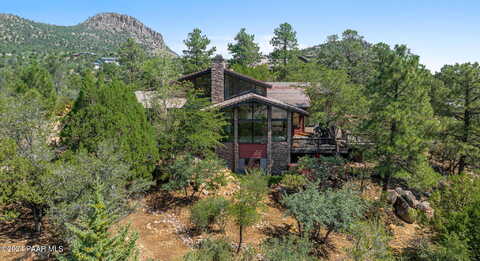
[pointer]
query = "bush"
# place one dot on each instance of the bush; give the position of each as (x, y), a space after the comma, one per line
(293, 182)
(334, 210)
(327, 171)
(208, 212)
(211, 250)
(452, 249)
(370, 242)
(457, 213)
(287, 249)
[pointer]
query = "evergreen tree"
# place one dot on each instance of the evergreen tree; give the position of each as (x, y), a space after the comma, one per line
(400, 115)
(197, 56)
(110, 112)
(247, 201)
(350, 53)
(25, 155)
(92, 240)
(461, 108)
(285, 47)
(132, 56)
(245, 51)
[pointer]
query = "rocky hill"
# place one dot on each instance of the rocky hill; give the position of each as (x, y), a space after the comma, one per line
(101, 33)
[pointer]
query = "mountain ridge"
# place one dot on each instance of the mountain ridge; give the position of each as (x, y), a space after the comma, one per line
(102, 33)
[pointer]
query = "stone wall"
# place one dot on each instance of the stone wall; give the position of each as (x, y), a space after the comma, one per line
(218, 79)
(280, 154)
(225, 152)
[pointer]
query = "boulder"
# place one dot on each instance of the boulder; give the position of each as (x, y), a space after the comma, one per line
(399, 190)
(425, 207)
(392, 196)
(403, 210)
(410, 198)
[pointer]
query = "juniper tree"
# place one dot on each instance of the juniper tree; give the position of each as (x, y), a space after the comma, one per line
(197, 56)
(92, 239)
(110, 111)
(285, 47)
(244, 51)
(400, 116)
(25, 154)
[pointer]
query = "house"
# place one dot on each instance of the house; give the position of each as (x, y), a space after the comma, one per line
(266, 119)
(105, 60)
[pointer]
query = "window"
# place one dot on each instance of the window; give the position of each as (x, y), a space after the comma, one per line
(252, 123)
(279, 125)
(204, 84)
(228, 129)
(235, 86)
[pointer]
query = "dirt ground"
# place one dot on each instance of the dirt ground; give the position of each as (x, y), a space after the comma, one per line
(162, 221)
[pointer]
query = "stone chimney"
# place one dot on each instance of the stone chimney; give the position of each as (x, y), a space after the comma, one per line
(218, 67)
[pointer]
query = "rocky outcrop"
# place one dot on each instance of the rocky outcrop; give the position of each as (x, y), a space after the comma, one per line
(406, 204)
(120, 23)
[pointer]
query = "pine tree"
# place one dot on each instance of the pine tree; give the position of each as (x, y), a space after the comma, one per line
(197, 56)
(132, 56)
(92, 240)
(245, 51)
(400, 115)
(285, 46)
(110, 112)
(461, 108)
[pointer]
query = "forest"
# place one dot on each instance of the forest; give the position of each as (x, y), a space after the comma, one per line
(82, 162)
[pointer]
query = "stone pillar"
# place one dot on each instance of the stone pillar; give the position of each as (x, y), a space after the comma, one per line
(218, 79)
(236, 157)
(269, 139)
(289, 135)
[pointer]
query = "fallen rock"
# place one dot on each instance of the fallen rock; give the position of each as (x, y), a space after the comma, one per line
(392, 196)
(403, 210)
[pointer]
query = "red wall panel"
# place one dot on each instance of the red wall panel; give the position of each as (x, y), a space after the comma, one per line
(255, 151)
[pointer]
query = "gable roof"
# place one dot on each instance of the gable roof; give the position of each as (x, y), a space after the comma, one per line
(292, 93)
(262, 99)
(226, 71)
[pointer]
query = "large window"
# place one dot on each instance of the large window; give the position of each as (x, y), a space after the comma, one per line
(204, 84)
(279, 124)
(228, 129)
(235, 86)
(252, 123)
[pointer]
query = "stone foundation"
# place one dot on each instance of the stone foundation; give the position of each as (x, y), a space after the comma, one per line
(280, 154)
(226, 153)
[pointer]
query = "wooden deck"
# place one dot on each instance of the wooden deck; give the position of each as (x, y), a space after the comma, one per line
(309, 145)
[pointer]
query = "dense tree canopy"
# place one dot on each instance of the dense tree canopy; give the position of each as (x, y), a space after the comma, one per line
(285, 47)
(110, 112)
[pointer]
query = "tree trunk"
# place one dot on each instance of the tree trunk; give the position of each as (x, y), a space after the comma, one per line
(466, 130)
(37, 218)
(326, 235)
(240, 241)
(388, 173)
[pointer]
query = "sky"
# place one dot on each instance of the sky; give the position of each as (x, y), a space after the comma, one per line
(439, 31)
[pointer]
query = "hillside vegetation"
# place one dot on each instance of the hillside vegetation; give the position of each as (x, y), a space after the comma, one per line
(101, 33)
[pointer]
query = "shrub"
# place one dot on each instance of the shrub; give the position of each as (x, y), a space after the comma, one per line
(287, 249)
(293, 182)
(211, 250)
(334, 210)
(209, 211)
(370, 242)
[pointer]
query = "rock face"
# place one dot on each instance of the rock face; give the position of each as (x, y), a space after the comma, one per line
(120, 23)
(392, 196)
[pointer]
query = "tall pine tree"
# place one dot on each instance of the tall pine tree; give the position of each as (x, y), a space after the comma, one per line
(285, 47)
(400, 115)
(244, 51)
(197, 56)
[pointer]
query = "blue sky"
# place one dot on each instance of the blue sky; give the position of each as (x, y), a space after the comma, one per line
(441, 31)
